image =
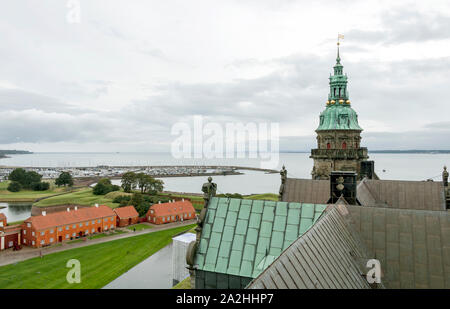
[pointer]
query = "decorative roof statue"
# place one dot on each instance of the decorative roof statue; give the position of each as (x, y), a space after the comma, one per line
(340, 186)
(445, 177)
(209, 190)
(283, 173)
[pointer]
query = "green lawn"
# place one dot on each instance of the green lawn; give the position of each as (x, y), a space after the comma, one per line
(183, 285)
(28, 195)
(265, 196)
(15, 222)
(100, 264)
(198, 208)
(82, 197)
(106, 235)
(139, 227)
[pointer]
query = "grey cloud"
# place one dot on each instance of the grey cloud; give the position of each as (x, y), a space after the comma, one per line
(424, 139)
(18, 100)
(32, 126)
(442, 125)
(296, 92)
(405, 25)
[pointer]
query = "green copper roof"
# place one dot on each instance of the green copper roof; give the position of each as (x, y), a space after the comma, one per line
(243, 237)
(339, 117)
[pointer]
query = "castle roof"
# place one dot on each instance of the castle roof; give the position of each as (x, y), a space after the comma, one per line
(421, 195)
(243, 237)
(330, 255)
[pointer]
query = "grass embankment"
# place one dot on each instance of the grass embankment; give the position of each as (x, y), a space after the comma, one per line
(15, 222)
(29, 195)
(183, 285)
(139, 227)
(264, 196)
(116, 232)
(82, 197)
(100, 264)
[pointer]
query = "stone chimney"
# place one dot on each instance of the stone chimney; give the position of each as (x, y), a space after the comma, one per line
(367, 169)
(343, 184)
(445, 177)
(446, 188)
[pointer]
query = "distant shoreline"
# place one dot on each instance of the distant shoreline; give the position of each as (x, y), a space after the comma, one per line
(391, 151)
(4, 153)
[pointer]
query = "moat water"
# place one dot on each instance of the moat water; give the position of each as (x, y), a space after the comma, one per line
(16, 211)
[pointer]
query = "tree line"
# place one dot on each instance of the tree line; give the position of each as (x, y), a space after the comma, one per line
(145, 183)
(31, 180)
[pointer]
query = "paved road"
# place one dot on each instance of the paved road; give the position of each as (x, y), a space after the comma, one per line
(9, 256)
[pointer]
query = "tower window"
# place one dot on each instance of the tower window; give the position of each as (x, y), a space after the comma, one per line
(328, 146)
(344, 145)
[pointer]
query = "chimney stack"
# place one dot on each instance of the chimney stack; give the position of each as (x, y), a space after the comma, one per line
(44, 213)
(182, 199)
(68, 209)
(343, 184)
(367, 169)
(96, 205)
(76, 207)
(445, 177)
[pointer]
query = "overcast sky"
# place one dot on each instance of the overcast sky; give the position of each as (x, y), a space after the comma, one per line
(121, 77)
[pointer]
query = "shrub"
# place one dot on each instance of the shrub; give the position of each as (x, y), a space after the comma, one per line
(26, 179)
(14, 186)
(65, 178)
(230, 195)
(122, 198)
(104, 186)
(100, 189)
(40, 186)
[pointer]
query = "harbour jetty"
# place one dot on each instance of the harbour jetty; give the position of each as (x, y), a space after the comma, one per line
(154, 171)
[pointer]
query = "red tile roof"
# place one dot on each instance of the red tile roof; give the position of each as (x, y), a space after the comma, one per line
(13, 229)
(167, 209)
(2, 216)
(69, 217)
(126, 212)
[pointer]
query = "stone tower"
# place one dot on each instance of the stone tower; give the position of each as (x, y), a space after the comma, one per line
(338, 134)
